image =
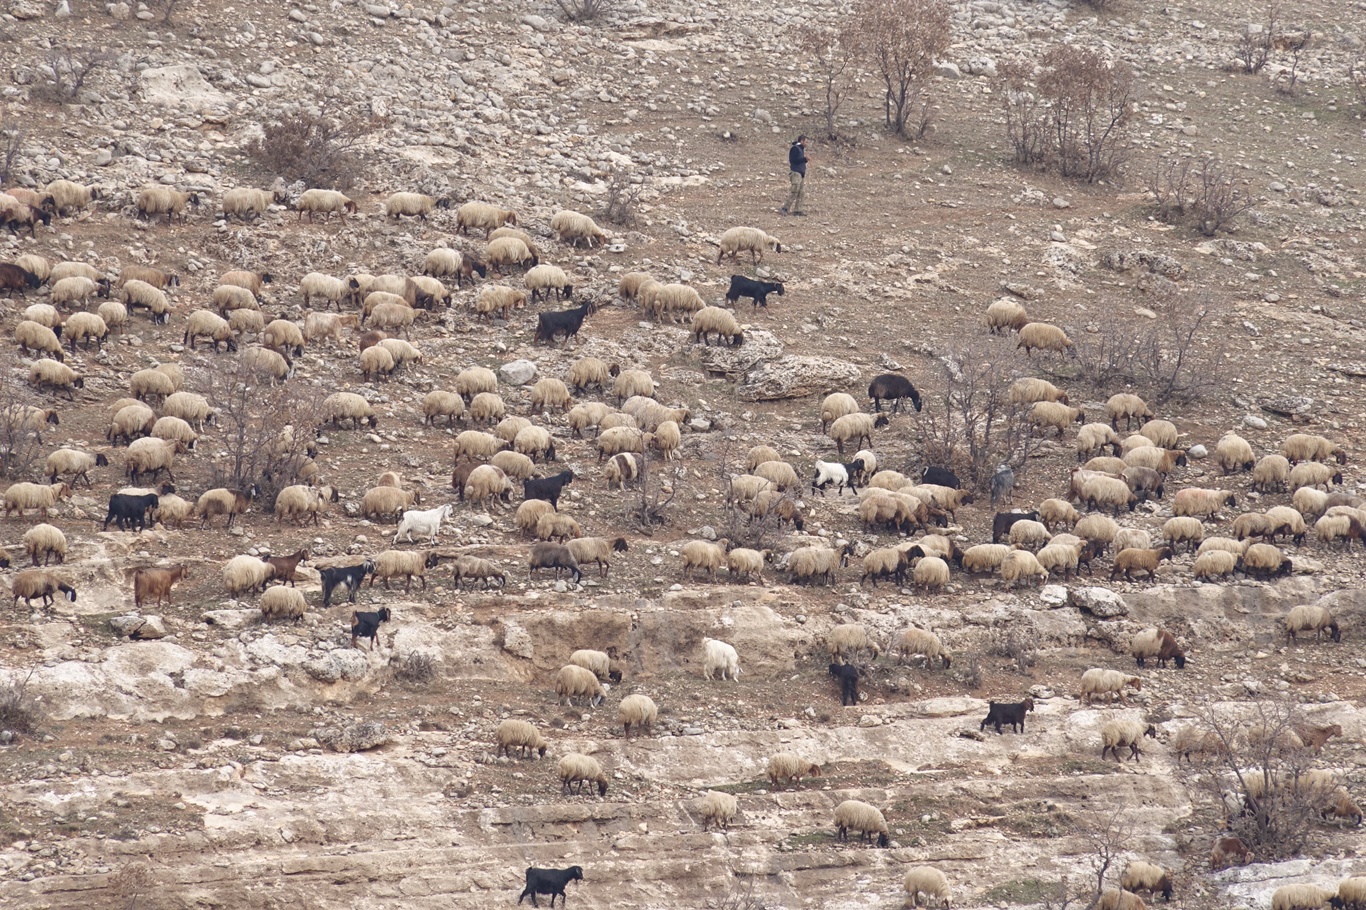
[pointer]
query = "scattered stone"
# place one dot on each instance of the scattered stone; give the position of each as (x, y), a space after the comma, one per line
(358, 737)
(1099, 602)
(138, 628)
(1197, 451)
(796, 377)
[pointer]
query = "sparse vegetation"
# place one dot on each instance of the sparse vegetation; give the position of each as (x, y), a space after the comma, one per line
(68, 69)
(21, 445)
(586, 10)
(12, 137)
(19, 712)
(901, 40)
(1202, 192)
(831, 53)
(418, 669)
(623, 198)
(1254, 42)
(320, 144)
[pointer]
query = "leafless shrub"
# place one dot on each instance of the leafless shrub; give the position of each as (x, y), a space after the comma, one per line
(1295, 44)
(969, 669)
(1254, 44)
(623, 198)
(741, 897)
(1257, 756)
(585, 10)
(969, 423)
(168, 10)
(650, 508)
(21, 443)
(134, 886)
(902, 39)
(1356, 75)
(1175, 356)
(1013, 645)
(418, 668)
(830, 54)
(1025, 110)
(1090, 107)
(19, 711)
(1202, 191)
(11, 142)
(68, 69)
(266, 427)
(320, 145)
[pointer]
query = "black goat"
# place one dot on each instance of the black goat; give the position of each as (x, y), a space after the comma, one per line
(892, 387)
(549, 881)
(366, 625)
(740, 286)
(1007, 713)
(1004, 521)
(847, 674)
(130, 508)
(547, 488)
(13, 278)
(941, 476)
(562, 322)
(348, 576)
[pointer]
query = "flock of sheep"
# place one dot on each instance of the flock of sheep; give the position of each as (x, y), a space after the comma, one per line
(497, 452)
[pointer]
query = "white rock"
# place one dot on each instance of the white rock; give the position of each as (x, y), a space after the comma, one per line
(518, 372)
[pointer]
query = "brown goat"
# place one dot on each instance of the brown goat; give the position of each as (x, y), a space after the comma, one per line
(282, 567)
(1314, 738)
(149, 583)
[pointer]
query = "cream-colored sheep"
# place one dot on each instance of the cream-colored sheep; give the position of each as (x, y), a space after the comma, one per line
(701, 554)
(866, 820)
(718, 808)
(57, 376)
(68, 195)
(550, 393)
(245, 573)
(1127, 407)
(1187, 530)
(482, 215)
(572, 227)
(639, 711)
(522, 736)
(324, 202)
(1110, 683)
(1271, 474)
(1022, 566)
(1201, 503)
(720, 657)
(631, 383)
(46, 541)
(575, 682)
(1043, 337)
(416, 204)
(486, 485)
(581, 769)
(509, 251)
(162, 200)
(929, 883)
(1006, 315)
(1233, 453)
(711, 320)
(247, 203)
(750, 240)
(1054, 414)
(283, 602)
(1124, 732)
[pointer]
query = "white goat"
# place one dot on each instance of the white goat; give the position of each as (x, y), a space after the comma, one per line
(426, 523)
(828, 472)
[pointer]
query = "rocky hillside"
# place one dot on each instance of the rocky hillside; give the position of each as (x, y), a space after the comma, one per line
(191, 754)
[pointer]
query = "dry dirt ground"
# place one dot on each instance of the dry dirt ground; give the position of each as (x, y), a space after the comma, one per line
(188, 772)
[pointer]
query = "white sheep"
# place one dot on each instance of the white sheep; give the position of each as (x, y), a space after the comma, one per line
(853, 815)
(574, 681)
(400, 204)
(324, 202)
(572, 227)
(1043, 337)
(738, 240)
(928, 882)
(637, 710)
(522, 736)
(281, 602)
(426, 523)
(711, 320)
(914, 642)
(719, 657)
(1006, 315)
(1122, 732)
(1111, 683)
(482, 215)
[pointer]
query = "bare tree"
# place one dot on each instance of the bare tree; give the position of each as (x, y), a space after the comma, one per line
(267, 427)
(1026, 111)
(1294, 44)
(1091, 104)
(1252, 773)
(902, 39)
(1202, 191)
(12, 137)
(1356, 74)
(1254, 45)
(649, 510)
(320, 144)
(1175, 356)
(969, 424)
(623, 198)
(21, 426)
(70, 67)
(830, 54)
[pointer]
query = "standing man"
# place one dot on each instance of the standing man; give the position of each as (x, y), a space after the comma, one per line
(796, 163)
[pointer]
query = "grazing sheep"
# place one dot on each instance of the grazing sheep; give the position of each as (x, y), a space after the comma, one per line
(222, 501)
(1093, 437)
(912, 642)
(589, 372)
(572, 227)
(718, 321)
(248, 203)
(1305, 447)
(324, 202)
(857, 428)
(849, 640)
(388, 503)
(553, 556)
(1311, 618)
(1140, 876)
(620, 439)
(581, 769)
(68, 195)
(1264, 561)
(595, 549)
(405, 564)
(477, 569)
(928, 882)
(1159, 644)
(40, 497)
(522, 736)
(1043, 337)
(558, 526)
(1119, 900)
(750, 240)
(400, 204)
(1115, 734)
(862, 818)
(1021, 566)
(575, 681)
(341, 406)
(1302, 897)
(482, 215)
(1006, 315)
(717, 807)
(1313, 474)
(39, 339)
(1201, 503)
(1234, 453)
(162, 200)
(246, 573)
(719, 657)
(599, 663)
(1127, 407)
(281, 602)
(1133, 559)
(57, 376)
(808, 564)
(1352, 893)
(930, 573)
(478, 444)
(39, 583)
(1163, 433)
(1054, 414)
(46, 541)
(1029, 390)
(533, 442)
(72, 462)
(701, 554)
(788, 767)
(620, 470)
(1110, 683)
(639, 710)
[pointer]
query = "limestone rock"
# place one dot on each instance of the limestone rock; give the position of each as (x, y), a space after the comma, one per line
(517, 372)
(1100, 602)
(796, 377)
(180, 86)
(354, 737)
(760, 346)
(138, 628)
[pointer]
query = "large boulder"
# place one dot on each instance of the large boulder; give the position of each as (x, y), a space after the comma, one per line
(732, 362)
(797, 377)
(180, 86)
